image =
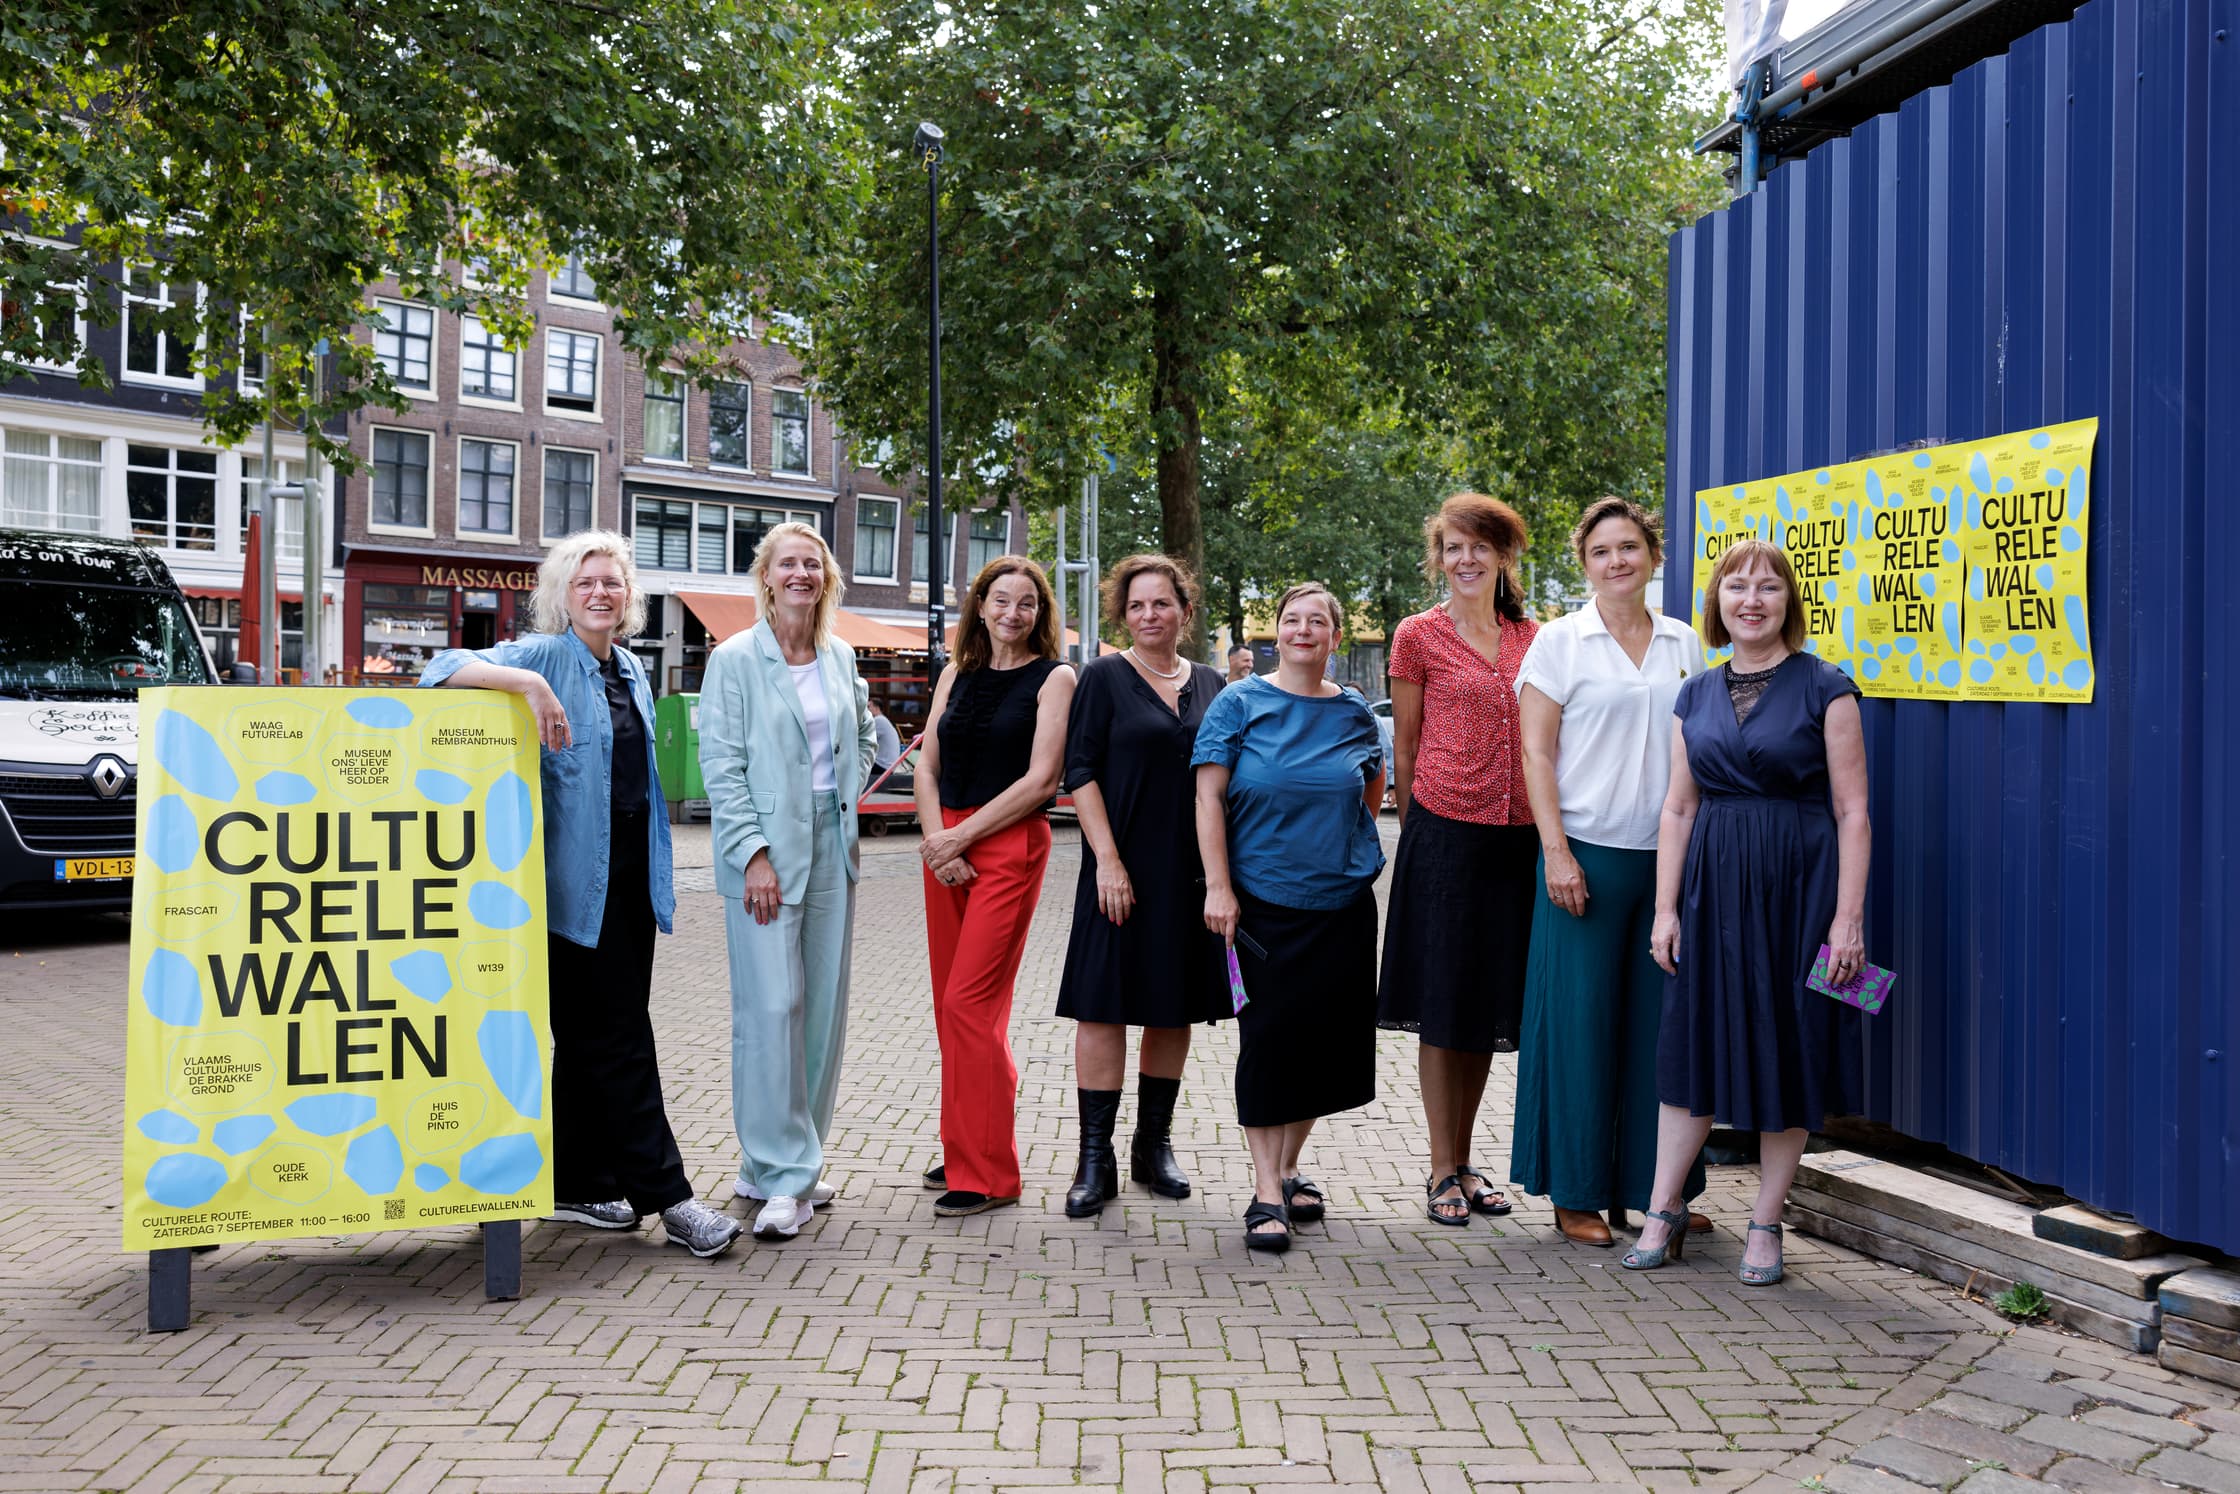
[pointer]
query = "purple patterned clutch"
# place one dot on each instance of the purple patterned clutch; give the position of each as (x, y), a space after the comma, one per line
(1867, 990)
(1237, 997)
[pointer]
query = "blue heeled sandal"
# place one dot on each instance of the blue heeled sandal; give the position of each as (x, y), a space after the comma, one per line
(1675, 1245)
(1761, 1276)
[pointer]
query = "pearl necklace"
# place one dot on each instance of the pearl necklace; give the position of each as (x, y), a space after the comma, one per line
(1181, 667)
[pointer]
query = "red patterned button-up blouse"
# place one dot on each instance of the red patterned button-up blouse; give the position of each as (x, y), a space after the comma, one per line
(1470, 754)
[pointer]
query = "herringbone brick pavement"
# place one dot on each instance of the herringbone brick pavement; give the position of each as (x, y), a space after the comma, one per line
(891, 1352)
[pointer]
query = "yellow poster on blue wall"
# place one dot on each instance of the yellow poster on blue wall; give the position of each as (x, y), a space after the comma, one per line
(1949, 573)
(337, 1014)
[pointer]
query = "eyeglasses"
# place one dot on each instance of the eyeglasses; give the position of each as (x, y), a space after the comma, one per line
(592, 585)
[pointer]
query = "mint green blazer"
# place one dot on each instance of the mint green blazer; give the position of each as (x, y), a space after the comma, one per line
(754, 757)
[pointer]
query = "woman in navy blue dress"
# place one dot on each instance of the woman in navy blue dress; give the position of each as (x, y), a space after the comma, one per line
(1761, 858)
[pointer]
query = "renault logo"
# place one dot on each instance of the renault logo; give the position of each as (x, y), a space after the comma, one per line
(109, 777)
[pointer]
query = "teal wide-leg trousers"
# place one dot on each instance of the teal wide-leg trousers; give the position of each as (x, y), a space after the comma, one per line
(1586, 1134)
(789, 1020)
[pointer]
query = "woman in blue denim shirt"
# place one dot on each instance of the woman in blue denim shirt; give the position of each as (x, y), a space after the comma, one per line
(607, 887)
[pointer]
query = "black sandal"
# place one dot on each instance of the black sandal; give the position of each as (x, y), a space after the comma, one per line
(1432, 1208)
(1256, 1214)
(1482, 1192)
(1309, 1212)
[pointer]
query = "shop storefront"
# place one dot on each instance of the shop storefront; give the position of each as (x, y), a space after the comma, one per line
(401, 609)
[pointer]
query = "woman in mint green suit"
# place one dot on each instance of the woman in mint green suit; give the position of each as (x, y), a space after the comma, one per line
(785, 748)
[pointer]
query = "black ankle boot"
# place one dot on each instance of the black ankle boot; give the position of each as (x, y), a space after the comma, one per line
(1096, 1180)
(1151, 1155)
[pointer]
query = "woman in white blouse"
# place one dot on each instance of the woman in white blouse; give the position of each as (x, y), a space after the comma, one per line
(785, 746)
(1595, 696)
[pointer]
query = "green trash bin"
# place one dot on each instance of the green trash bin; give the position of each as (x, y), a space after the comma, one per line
(676, 756)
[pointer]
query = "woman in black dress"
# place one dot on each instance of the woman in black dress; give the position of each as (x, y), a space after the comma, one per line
(1761, 859)
(1140, 955)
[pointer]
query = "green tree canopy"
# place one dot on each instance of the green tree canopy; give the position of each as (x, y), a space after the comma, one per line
(285, 153)
(1329, 209)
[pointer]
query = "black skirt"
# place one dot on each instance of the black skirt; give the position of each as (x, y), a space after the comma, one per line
(1458, 927)
(1307, 1037)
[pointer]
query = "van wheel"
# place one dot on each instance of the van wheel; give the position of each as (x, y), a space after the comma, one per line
(874, 825)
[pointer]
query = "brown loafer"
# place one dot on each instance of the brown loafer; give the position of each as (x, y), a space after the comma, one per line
(1582, 1227)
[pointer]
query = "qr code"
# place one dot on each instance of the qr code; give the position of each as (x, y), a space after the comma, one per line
(392, 1208)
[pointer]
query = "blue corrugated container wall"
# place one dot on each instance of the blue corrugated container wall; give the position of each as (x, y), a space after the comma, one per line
(2054, 234)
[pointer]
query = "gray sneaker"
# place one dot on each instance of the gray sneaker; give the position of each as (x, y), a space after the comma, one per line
(615, 1215)
(705, 1232)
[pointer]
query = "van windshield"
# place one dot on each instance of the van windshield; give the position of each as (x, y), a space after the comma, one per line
(96, 642)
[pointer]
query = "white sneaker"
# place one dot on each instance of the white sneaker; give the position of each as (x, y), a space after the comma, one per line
(820, 1196)
(782, 1217)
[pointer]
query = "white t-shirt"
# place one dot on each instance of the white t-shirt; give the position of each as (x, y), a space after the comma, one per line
(1614, 758)
(808, 683)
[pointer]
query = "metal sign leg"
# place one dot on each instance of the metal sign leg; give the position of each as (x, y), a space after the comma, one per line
(169, 1289)
(501, 1260)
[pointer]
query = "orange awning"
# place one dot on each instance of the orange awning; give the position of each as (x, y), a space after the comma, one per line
(858, 631)
(725, 613)
(722, 612)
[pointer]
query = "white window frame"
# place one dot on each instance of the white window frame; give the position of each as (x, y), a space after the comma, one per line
(166, 380)
(78, 329)
(435, 347)
(683, 397)
(288, 468)
(692, 533)
(808, 470)
(894, 542)
(552, 289)
(591, 416)
(544, 476)
(948, 576)
(245, 381)
(373, 436)
(746, 465)
(53, 462)
(965, 529)
(487, 401)
(172, 525)
(459, 528)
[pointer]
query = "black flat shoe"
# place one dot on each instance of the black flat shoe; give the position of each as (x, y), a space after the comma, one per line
(1458, 1208)
(957, 1203)
(936, 1177)
(1303, 1198)
(1256, 1214)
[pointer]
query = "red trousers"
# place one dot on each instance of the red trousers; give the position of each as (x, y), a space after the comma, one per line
(977, 933)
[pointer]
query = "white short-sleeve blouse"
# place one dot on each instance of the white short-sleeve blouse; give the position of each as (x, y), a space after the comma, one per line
(1614, 758)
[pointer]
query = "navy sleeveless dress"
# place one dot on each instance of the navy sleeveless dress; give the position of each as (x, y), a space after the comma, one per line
(1742, 1037)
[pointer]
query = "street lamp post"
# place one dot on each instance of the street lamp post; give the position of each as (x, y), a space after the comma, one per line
(927, 143)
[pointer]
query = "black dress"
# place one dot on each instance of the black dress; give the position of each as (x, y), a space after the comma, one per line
(1743, 1038)
(1162, 968)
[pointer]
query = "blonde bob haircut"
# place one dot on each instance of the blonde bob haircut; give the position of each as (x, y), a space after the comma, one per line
(548, 606)
(1749, 555)
(1121, 579)
(765, 595)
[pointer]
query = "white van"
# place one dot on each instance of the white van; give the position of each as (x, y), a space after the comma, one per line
(85, 625)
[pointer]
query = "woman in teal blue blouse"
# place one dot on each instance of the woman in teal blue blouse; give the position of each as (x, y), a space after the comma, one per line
(1290, 773)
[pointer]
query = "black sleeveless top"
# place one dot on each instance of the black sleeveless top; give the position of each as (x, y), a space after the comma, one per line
(987, 732)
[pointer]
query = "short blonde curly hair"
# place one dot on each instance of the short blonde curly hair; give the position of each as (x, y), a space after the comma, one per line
(548, 606)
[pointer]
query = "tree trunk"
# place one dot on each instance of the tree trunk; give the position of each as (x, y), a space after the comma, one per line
(1175, 425)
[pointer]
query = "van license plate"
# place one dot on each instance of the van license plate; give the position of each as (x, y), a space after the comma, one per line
(93, 868)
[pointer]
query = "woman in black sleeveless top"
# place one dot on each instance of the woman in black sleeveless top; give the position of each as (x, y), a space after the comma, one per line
(995, 745)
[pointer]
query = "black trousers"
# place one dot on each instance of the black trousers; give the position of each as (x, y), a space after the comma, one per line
(610, 1131)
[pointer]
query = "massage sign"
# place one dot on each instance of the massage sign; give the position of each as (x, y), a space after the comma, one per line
(337, 1016)
(1951, 573)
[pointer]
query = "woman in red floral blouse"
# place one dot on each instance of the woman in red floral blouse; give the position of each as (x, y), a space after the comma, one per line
(1460, 917)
